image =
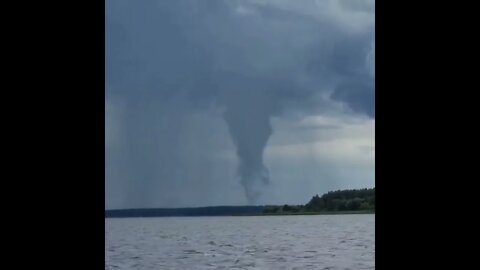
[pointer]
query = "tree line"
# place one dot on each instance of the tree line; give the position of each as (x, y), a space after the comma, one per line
(339, 200)
(188, 211)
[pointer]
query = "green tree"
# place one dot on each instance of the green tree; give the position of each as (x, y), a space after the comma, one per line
(286, 208)
(354, 204)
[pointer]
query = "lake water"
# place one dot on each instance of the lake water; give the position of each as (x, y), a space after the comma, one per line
(261, 242)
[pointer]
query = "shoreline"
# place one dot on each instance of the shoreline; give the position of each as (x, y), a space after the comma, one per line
(316, 213)
(262, 214)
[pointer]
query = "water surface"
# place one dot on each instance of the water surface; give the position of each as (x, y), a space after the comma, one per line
(254, 242)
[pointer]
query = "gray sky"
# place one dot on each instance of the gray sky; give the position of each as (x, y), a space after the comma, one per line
(237, 102)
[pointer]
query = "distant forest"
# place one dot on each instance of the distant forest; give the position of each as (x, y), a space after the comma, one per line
(333, 201)
(186, 212)
(355, 200)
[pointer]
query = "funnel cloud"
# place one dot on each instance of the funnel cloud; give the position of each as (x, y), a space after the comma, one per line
(249, 125)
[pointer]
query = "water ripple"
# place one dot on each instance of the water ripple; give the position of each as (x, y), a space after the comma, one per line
(300, 242)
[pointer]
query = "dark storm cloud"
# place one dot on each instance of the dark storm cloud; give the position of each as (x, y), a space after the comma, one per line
(166, 60)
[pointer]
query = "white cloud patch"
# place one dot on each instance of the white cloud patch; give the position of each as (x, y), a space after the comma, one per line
(349, 139)
(355, 16)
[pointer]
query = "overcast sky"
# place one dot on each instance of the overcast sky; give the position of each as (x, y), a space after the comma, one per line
(216, 102)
